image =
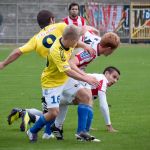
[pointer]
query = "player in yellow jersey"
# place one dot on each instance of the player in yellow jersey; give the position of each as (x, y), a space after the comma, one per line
(42, 41)
(55, 75)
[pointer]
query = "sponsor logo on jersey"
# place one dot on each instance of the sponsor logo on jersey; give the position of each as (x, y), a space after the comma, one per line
(84, 55)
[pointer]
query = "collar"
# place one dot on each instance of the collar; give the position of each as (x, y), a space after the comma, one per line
(98, 45)
(63, 45)
(74, 18)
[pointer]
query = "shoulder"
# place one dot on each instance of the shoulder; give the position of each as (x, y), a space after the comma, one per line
(82, 18)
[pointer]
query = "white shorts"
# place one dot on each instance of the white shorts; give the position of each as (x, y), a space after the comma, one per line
(52, 96)
(70, 90)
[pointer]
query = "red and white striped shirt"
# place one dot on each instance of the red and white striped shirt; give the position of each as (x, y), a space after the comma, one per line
(78, 21)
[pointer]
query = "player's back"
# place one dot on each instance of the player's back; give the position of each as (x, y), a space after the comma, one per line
(46, 37)
(42, 41)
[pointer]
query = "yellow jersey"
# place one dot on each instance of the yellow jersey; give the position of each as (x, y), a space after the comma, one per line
(54, 74)
(42, 41)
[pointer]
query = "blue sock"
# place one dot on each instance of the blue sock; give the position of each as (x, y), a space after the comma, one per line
(90, 118)
(47, 127)
(82, 117)
(38, 125)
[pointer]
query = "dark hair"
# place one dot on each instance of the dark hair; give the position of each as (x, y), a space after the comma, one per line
(73, 4)
(110, 69)
(43, 18)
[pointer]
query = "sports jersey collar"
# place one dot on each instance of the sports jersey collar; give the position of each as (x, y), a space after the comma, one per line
(98, 53)
(63, 45)
(74, 18)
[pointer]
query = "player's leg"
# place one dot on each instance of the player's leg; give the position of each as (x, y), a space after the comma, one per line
(85, 115)
(47, 131)
(69, 92)
(85, 100)
(52, 97)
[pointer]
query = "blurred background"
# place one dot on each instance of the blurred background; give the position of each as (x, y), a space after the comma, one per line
(130, 19)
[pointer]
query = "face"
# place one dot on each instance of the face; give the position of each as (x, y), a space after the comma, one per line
(74, 11)
(107, 51)
(112, 77)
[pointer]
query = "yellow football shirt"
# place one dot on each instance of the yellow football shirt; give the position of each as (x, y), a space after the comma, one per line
(54, 74)
(42, 41)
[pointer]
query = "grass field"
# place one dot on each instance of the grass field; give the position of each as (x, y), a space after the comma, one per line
(130, 100)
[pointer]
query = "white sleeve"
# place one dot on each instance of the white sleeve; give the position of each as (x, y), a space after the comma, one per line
(104, 106)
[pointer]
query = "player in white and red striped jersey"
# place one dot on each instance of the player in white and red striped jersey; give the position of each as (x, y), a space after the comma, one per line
(109, 77)
(74, 17)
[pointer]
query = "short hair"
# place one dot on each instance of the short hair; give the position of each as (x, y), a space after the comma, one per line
(110, 69)
(110, 39)
(72, 32)
(43, 18)
(73, 4)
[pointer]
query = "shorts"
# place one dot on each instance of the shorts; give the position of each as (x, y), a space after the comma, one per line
(70, 90)
(52, 96)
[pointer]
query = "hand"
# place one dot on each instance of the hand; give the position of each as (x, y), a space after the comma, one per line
(111, 129)
(92, 80)
(1, 65)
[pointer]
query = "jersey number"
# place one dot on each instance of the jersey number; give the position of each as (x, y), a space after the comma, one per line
(47, 45)
(45, 40)
(55, 99)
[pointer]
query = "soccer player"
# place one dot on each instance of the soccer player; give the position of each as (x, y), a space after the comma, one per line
(74, 17)
(109, 77)
(55, 75)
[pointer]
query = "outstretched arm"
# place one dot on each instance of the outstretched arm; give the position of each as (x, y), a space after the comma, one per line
(105, 111)
(14, 55)
(85, 78)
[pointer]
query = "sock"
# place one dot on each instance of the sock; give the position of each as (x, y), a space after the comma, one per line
(61, 116)
(82, 117)
(90, 118)
(47, 127)
(38, 125)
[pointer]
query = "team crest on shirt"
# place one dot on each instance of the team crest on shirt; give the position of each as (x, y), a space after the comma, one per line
(85, 55)
(62, 56)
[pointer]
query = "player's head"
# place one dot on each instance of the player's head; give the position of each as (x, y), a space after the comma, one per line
(109, 42)
(71, 35)
(44, 18)
(112, 74)
(73, 10)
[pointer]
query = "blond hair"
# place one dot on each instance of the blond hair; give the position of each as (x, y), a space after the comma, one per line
(110, 39)
(72, 32)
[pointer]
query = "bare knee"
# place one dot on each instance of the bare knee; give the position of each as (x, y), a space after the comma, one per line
(84, 96)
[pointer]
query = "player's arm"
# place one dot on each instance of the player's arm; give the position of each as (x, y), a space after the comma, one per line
(86, 78)
(90, 28)
(105, 110)
(85, 47)
(15, 54)
(74, 62)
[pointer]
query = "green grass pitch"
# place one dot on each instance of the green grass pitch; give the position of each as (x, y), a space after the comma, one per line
(130, 100)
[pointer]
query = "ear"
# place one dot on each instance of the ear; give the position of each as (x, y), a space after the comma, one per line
(52, 20)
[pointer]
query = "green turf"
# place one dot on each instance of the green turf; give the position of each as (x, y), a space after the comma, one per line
(130, 100)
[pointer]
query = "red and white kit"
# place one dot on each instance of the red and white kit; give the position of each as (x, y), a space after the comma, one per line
(78, 21)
